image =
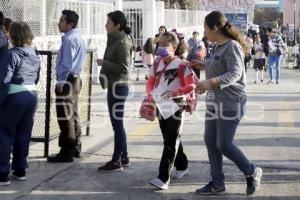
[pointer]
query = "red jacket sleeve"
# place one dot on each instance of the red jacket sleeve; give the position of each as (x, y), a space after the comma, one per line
(150, 85)
(189, 86)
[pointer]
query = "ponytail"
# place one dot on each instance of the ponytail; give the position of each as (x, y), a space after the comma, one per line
(127, 30)
(181, 48)
(233, 33)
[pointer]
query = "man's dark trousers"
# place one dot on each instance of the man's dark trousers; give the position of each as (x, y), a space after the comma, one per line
(68, 116)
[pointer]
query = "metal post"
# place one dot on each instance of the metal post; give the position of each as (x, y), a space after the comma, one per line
(90, 95)
(294, 22)
(148, 22)
(48, 104)
(118, 5)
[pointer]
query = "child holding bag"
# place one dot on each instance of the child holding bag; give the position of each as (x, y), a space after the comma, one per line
(175, 78)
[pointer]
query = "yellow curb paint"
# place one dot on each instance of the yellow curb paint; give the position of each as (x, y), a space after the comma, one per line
(285, 117)
(142, 130)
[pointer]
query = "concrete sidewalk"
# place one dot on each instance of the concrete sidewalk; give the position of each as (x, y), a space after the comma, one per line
(269, 135)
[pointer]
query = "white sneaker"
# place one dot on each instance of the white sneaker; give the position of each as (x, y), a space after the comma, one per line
(257, 176)
(6, 183)
(178, 174)
(159, 184)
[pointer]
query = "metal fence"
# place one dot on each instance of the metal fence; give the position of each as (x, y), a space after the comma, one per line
(185, 21)
(43, 15)
(45, 123)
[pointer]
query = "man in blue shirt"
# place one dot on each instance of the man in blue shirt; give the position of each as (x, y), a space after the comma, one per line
(69, 63)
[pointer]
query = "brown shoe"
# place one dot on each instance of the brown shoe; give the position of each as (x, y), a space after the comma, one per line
(111, 167)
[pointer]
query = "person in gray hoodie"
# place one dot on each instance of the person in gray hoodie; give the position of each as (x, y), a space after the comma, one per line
(19, 74)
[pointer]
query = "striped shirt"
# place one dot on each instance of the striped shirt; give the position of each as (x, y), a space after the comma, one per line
(276, 43)
(227, 65)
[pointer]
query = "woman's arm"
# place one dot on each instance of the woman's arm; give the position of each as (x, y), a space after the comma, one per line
(208, 84)
(189, 86)
(196, 64)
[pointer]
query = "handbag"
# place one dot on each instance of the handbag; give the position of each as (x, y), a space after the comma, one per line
(148, 109)
(278, 51)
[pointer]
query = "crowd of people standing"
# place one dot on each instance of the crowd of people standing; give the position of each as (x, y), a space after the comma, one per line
(174, 68)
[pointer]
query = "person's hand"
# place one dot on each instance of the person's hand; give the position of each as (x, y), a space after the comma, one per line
(100, 62)
(202, 87)
(167, 95)
(196, 64)
(58, 88)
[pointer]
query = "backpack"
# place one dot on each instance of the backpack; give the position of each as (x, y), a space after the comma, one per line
(192, 96)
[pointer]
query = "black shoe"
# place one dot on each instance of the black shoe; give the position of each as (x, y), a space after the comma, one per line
(111, 167)
(60, 158)
(253, 181)
(4, 180)
(20, 175)
(125, 162)
(76, 153)
(211, 189)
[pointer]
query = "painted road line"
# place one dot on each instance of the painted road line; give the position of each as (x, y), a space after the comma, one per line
(142, 130)
(285, 118)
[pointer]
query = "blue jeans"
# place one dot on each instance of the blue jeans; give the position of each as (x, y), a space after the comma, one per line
(220, 128)
(274, 60)
(116, 98)
(16, 122)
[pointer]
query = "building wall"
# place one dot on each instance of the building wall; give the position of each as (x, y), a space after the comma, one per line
(288, 13)
(281, 6)
(229, 6)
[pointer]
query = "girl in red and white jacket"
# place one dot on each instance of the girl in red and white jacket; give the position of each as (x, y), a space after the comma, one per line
(176, 80)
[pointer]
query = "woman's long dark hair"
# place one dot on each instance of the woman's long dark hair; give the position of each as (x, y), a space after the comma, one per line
(219, 20)
(118, 17)
(148, 47)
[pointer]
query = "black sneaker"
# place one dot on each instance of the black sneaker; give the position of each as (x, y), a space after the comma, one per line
(4, 180)
(60, 158)
(20, 175)
(253, 181)
(76, 153)
(211, 189)
(125, 162)
(111, 166)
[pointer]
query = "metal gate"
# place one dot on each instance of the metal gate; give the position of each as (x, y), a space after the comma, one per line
(135, 20)
(45, 122)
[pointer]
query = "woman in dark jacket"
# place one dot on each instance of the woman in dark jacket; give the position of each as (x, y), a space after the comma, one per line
(114, 76)
(19, 74)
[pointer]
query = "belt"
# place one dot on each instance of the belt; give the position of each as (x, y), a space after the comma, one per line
(74, 75)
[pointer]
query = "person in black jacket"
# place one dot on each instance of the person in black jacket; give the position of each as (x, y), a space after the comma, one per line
(3, 38)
